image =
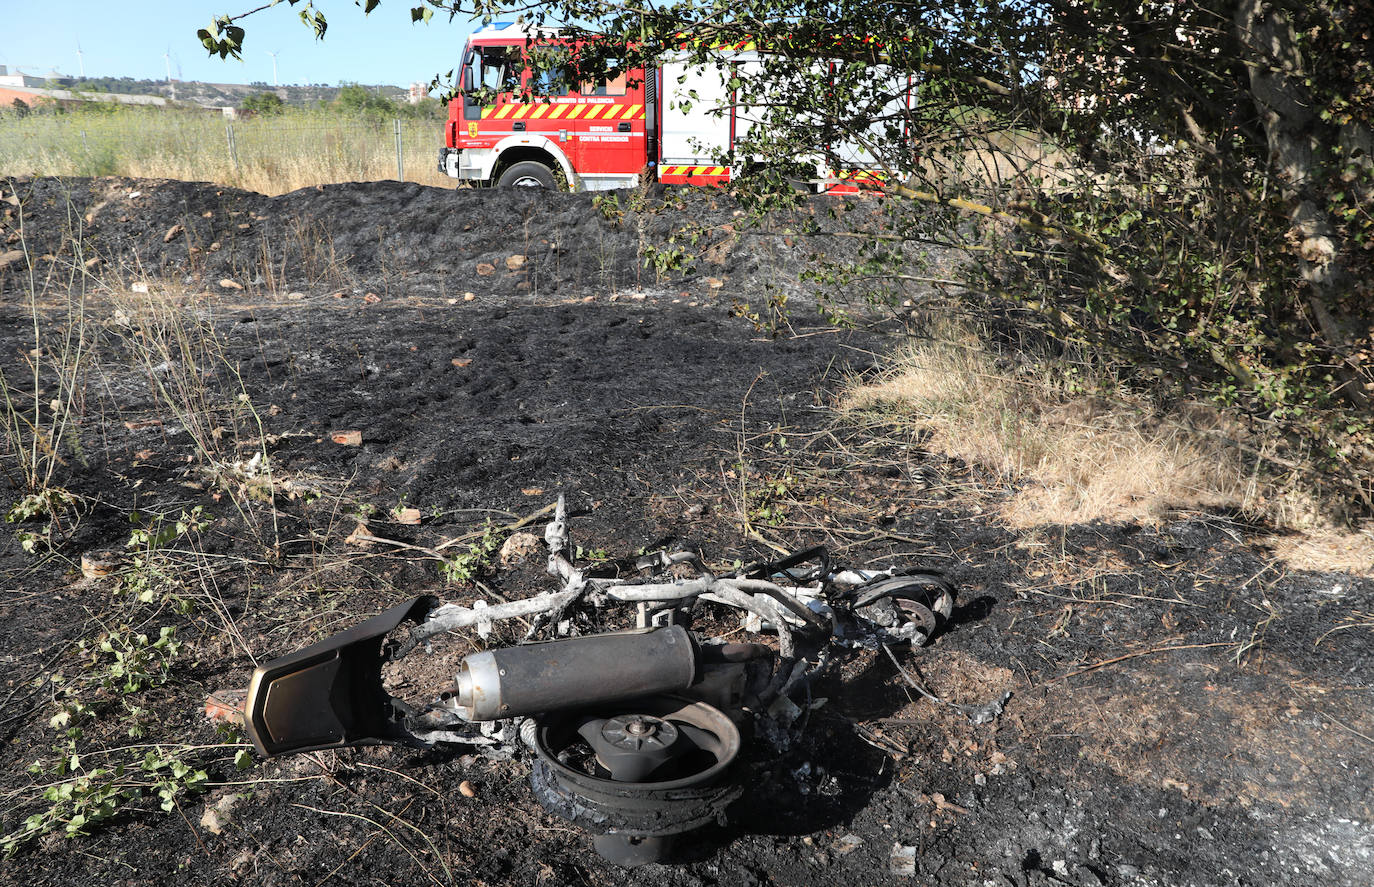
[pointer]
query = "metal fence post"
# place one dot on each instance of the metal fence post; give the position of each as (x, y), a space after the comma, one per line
(233, 147)
(85, 145)
(400, 164)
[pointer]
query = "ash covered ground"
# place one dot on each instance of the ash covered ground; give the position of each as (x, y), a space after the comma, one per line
(1185, 709)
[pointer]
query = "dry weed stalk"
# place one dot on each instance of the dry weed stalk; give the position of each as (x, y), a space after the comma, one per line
(191, 376)
(40, 420)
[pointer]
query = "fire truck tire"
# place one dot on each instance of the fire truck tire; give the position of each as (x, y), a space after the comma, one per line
(527, 174)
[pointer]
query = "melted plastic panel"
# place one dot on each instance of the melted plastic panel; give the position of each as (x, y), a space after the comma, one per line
(329, 694)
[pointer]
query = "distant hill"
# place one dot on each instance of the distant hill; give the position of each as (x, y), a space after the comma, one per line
(216, 94)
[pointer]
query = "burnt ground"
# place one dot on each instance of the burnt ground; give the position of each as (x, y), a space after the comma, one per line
(1185, 708)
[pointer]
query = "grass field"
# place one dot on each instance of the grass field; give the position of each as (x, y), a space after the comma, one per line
(271, 155)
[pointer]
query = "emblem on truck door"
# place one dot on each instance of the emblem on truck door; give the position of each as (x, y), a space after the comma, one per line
(472, 129)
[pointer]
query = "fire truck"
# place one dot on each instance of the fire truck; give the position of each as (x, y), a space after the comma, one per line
(670, 122)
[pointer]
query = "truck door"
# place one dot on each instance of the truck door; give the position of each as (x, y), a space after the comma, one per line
(697, 116)
(609, 125)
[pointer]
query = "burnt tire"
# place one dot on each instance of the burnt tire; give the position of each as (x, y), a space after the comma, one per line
(527, 174)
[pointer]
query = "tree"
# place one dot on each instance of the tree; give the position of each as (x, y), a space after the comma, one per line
(268, 104)
(356, 99)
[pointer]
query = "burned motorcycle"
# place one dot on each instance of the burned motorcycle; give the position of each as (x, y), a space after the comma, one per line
(636, 734)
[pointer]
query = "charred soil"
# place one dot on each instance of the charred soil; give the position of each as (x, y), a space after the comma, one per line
(272, 382)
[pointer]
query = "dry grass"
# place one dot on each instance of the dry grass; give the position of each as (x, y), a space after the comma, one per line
(1327, 550)
(271, 155)
(1073, 458)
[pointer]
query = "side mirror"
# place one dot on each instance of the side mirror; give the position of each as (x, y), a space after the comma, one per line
(466, 86)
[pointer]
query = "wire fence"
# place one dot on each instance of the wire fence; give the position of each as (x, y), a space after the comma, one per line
(267, 154)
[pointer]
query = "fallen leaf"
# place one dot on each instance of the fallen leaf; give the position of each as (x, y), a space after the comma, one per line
(358, 536)
(347, 438)
(515, 262)
(485, 269)
(172, 232)
(462, 361)
(532, 491)
(228, 284)
(226, 706)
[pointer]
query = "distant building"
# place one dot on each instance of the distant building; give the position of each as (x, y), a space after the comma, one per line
(418, 93)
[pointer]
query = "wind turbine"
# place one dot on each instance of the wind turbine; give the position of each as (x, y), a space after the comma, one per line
(273, 54)
(80, 61)
(167, 60)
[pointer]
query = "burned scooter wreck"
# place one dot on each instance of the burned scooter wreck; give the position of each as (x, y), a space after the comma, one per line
(636, 734)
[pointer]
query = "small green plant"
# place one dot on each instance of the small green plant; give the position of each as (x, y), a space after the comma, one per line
(48, 506)
(768, 499)
(607, 203)
(592, 555)
(152, 574)
(87, 796)
(475, 562)
(128, 662)
(73, 795)
(666, 260)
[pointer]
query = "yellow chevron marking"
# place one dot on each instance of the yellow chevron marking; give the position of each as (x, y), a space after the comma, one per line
(504, 112)
(524, 109)
(576, 112)
(717, 171)
(593, 112)
(632, 112)
(539, 111)
(559, 111)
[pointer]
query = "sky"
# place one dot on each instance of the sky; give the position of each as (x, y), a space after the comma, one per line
(128, 39)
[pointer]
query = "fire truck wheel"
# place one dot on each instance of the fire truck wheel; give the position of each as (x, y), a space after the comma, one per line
(527, 174)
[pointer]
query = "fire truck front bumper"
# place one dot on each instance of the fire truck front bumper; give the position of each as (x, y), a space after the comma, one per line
(472, 163)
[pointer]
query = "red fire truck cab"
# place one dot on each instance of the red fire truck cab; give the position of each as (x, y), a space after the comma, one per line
(668, 123)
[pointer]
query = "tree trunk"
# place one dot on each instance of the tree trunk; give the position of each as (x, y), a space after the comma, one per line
(1294, 134)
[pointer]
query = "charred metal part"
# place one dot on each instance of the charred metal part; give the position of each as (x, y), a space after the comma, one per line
(788, 567)
(639, 775)
(911, 607)
(330, 694)
(713, 653)
(575, 673)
